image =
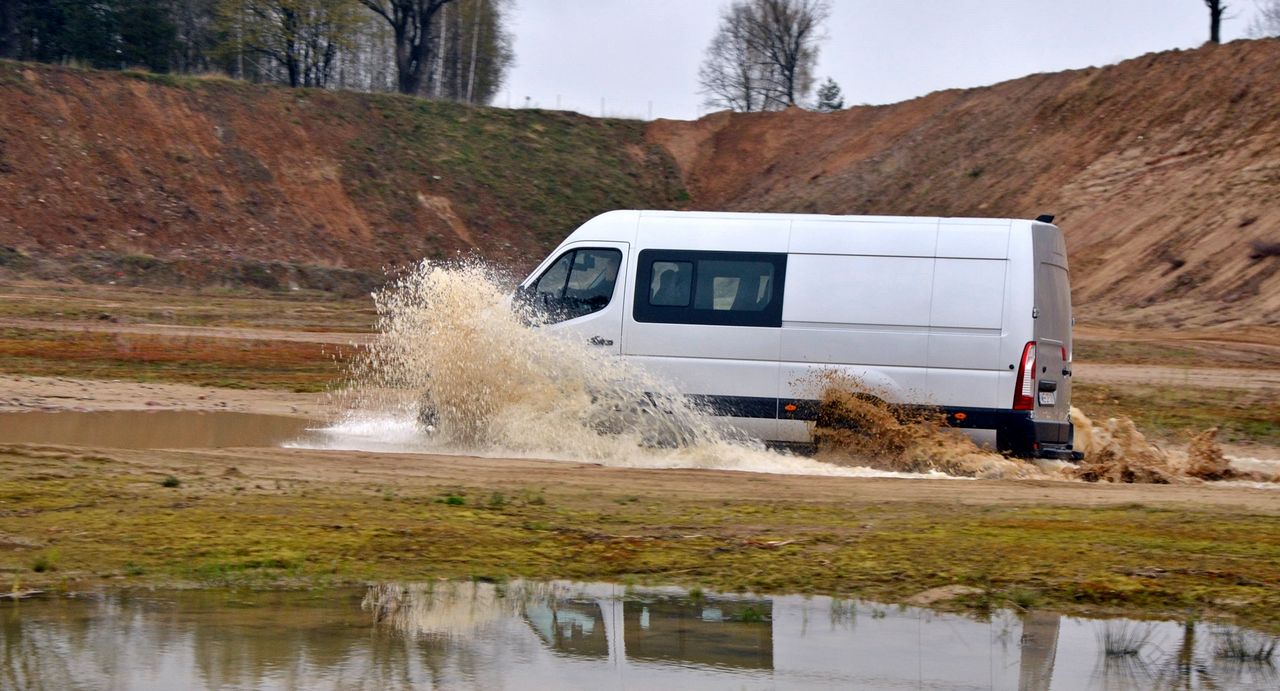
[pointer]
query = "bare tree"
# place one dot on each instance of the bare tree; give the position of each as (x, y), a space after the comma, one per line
(733, 74)
(1266, 23)
(787, 32)
(410, 22)
(1216, 8)
(763, 53)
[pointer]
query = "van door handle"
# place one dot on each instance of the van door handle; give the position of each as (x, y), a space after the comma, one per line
(597, 341)
(1066, 372)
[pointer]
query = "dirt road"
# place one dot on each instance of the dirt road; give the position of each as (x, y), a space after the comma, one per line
(52, 394)
(56, 393)
(409, 471)
(1192, 377)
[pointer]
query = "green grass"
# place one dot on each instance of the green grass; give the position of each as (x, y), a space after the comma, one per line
(1172, 412)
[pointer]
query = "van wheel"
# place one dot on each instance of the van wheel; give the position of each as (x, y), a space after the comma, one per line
(655, 426)
(427, 416)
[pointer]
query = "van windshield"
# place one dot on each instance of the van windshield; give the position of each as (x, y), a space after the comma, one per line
(579, 282)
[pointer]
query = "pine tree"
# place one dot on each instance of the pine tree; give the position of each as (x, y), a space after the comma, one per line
(829, 97)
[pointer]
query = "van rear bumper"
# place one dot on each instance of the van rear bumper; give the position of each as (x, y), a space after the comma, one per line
(1016, 431)
(1019, 433)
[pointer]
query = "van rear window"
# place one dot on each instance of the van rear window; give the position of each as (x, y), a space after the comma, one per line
(717, 288)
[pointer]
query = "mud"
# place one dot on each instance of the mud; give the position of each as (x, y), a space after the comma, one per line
(1116, 451)
(855, 427)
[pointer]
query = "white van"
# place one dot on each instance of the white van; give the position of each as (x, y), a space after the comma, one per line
(742, 310)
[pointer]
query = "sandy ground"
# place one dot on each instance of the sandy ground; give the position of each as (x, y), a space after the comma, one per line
(1197, 377)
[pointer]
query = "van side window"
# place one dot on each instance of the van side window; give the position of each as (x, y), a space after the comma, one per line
(580, 282)
(672, 284)
(716, 288)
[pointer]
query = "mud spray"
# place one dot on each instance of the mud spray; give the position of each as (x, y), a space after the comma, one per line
(1116, 451)
(457, 368)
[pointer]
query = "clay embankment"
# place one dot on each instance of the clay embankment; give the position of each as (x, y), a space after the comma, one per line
(152, 180)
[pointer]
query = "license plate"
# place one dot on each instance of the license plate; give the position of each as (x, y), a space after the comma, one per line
(1048, 397)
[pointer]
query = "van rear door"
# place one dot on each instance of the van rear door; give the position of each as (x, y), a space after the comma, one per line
(1052, 329)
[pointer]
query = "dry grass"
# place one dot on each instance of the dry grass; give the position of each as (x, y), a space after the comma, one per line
(76, 303)
(1170, 412)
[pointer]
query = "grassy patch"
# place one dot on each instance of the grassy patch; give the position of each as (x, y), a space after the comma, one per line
(106, 518)
(228, 363)
(540, 171)
(1172, 412)
(304, 311)
(1139, 353)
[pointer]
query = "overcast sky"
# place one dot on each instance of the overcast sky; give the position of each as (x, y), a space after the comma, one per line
(642, 56)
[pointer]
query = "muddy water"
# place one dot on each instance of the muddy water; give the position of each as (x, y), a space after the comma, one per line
(560, 635)
(159, 429)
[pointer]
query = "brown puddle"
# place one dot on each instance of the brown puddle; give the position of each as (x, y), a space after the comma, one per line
(150, 429)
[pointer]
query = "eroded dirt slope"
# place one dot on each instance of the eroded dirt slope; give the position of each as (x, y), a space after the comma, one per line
(1164, 172)
(150, 179)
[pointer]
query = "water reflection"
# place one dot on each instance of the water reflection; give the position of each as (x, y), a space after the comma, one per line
(561, 635)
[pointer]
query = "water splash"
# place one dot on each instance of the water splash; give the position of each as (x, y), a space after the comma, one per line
(457, 368)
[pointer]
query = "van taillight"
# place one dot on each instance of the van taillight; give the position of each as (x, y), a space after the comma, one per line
(1024, 394)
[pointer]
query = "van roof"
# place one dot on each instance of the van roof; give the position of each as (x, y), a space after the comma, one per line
(976, 220)
(658, 213)
(761, 232)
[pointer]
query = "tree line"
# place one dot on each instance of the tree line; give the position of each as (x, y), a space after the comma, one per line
(763, 53)
(450, 49)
